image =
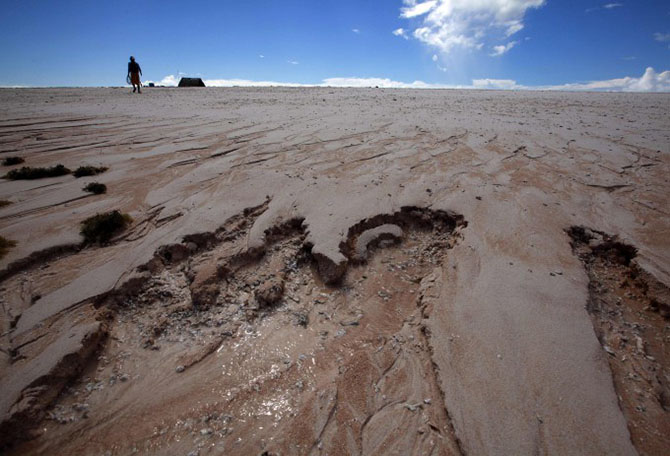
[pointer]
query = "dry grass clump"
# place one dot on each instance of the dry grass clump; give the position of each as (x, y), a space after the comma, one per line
(96, 188)
(26, 172)
(89, 171)
(102, 227)
(10, 161)
(5, 245)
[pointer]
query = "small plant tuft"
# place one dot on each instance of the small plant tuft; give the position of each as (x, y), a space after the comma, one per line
(89, 171)
(5, 245)
(26, 172)
(10, 161)
(95, 188)
(4, 203)
(102, 227)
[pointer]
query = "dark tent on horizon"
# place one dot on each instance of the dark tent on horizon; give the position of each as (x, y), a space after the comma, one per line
(191, 82)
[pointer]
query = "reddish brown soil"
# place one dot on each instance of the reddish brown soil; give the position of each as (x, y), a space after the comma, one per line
(631, 317)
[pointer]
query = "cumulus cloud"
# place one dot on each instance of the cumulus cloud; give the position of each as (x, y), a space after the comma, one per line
(449, 24)
(379, 82)
(417, 9)
(650, 81)
(249, 83)
(498, 84)
(168, 81)
(401, 32)
(500, 50)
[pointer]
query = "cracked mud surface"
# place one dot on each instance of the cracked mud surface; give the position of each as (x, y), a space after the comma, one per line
(315, 370)
(631, 315)
(299, 277)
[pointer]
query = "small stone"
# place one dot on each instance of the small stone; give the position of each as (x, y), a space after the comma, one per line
(427, 401)
(124, 377)
(349, 323)
(270, 292)
(80, 407)
(179, 369)
(206, 431)
(413, 407)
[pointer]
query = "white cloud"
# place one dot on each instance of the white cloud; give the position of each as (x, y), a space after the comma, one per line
(434, 58)
(379, 82)
(401, 32)
(248, 83)
(500, 50)
(355, 30)
(662, 37)
(513, 28)
(448, 24)
(650, 81)
(605, 6)
(261, 56)
(499, 84)
(168, 81)
(293, 62)
(417, 9)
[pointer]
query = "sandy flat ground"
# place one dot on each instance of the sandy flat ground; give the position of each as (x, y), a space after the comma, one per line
(338, 271)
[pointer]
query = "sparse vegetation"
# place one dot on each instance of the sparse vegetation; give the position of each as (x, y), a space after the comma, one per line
(95, 188)
(4, 203)
(26, 172)
(9, 161)
(5, 245)
(89, 171)
(102, 227)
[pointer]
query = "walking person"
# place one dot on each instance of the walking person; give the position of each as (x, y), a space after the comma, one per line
(134, 72)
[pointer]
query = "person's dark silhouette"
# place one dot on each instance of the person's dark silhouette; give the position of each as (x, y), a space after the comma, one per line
(134, 72)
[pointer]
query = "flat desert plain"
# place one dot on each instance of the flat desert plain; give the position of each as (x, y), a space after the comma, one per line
(321, 271)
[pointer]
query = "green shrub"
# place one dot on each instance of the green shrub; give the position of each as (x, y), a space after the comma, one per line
(88, 171)
(26, 172)
(9, 161)
(5, 245)
(95, 188)
(102, 227)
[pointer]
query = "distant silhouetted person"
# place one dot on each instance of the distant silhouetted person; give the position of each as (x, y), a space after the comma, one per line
(134, 72)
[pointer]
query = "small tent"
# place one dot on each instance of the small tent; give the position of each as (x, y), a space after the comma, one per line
(191, 82)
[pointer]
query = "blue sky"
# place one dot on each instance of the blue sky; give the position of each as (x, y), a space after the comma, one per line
(486, 43)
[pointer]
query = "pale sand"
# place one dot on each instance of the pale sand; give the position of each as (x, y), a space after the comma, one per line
(518, 368)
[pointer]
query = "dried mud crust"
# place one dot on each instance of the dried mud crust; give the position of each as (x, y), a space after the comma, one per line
(218, 349)
(631, 316)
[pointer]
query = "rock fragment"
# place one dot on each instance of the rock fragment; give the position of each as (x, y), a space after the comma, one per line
(270, 292)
